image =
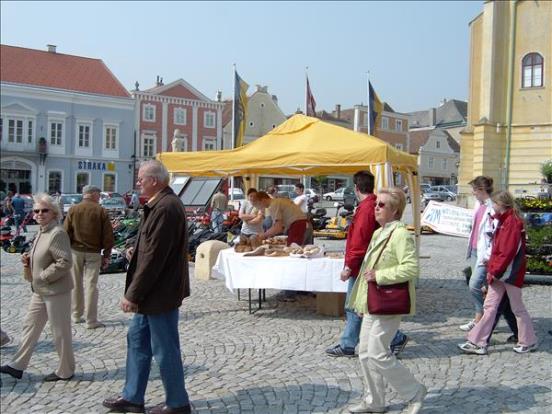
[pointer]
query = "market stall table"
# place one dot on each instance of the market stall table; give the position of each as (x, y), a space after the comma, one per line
(283, 273)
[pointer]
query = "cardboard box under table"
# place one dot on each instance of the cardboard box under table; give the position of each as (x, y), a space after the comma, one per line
(285, 273)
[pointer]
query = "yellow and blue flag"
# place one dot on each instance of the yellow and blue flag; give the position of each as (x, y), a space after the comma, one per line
(240, 109)
(375, 108)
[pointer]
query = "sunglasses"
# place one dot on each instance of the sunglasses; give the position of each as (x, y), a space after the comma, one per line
(380, 205)
(41, 210)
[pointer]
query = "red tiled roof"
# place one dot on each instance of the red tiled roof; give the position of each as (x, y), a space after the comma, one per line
(59, 71)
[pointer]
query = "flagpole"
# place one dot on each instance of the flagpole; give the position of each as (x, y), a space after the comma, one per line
(233, 129)
(369, 112)
(306, 90)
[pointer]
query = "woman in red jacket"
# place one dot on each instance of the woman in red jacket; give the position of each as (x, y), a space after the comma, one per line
(505, 274)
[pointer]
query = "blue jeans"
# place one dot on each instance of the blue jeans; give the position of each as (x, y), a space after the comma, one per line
(155, 335)
(478, 279)
(350, 337)
(217, 219)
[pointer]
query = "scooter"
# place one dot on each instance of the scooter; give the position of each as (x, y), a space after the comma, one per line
(318, 217)
(338, 226)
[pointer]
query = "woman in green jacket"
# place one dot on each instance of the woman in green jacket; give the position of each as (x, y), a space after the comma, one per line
(391, 258)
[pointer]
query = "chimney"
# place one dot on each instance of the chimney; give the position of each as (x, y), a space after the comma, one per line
(444, 101)
(338, 111)
(432, 116)
(219, 96)
(159, 81)
(51, 48)
(275, 99)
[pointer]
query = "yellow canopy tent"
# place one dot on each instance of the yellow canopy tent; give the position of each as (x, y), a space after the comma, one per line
(303, 146)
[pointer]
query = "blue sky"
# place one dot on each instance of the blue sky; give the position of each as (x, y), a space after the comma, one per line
(417, 52)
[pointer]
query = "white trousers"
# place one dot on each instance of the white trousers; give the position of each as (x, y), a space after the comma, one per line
(57, 310)
(379, 364)
(86, 270)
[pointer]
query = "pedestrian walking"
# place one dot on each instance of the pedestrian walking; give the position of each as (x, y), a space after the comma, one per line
(359, 234)
(505, 276)
(18, 206)
(157, 281)
(390, 259)
(91, 235)
(48, 269)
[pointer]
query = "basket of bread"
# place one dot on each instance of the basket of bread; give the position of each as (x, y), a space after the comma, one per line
(308, 251)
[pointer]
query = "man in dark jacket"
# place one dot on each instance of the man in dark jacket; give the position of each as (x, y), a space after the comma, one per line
(157, 282)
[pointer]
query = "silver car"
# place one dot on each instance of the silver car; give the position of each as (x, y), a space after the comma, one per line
(115, 206)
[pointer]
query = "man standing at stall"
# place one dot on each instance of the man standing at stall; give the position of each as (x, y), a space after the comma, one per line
(287, 218)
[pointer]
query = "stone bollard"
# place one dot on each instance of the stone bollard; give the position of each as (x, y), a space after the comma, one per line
(206, 256)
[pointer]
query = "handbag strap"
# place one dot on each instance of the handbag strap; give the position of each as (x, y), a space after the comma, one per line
(383, 248)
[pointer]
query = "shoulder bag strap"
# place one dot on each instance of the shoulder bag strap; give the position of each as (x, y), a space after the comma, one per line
(382, 249)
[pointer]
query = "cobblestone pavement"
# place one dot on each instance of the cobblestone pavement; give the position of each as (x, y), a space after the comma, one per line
(273, 361)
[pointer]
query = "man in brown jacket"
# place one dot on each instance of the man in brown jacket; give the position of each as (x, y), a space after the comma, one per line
(91, 235)
(157, 282)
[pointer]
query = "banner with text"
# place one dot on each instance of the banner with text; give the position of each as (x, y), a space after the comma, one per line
(447, 219)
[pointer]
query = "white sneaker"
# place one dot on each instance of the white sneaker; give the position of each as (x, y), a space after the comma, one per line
(470, 348)
(469, 326)
(417, 402)
(363, 407)
(520, 349)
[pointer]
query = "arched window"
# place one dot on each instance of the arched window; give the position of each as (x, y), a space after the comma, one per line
(532, 70)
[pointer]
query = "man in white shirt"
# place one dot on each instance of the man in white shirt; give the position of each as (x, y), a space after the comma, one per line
(302, 199)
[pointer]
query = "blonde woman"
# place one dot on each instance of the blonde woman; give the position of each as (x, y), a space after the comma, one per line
(48, 268)
(505, 276)
(391, 258)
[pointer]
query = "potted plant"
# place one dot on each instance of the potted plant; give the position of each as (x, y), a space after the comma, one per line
(546, 171)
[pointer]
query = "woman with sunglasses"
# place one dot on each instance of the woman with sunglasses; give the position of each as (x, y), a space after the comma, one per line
(391, 258)
(505, 276)
(48, 268)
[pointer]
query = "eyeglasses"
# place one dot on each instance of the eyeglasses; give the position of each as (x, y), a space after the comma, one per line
(380, 205)
(41, 210)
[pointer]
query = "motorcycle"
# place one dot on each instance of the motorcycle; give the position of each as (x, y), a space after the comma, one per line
(338, 226)
(318, 217)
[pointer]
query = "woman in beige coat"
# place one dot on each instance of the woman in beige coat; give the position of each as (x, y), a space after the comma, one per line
(48, 268)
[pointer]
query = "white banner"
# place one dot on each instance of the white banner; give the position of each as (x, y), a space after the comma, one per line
(447, 219)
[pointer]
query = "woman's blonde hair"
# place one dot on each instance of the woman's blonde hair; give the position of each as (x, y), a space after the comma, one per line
(49, 201)
(398, 199)
(506, 199)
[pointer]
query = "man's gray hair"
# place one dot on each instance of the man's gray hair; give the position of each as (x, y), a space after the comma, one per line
(89, 189)
(157, 170)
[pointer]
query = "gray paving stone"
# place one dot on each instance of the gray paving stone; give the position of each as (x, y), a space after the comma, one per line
(274, 361)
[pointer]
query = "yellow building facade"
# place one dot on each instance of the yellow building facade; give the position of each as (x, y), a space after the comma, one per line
(509, 129)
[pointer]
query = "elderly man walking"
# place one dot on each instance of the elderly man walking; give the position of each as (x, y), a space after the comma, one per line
(91, 235)
(157, 282)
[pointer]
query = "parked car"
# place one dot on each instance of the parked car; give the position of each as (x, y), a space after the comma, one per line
(340, 194)
(128, 196)
(444, 191)
(66, 201)
(424, 187)
(115, 205)
(311, 194)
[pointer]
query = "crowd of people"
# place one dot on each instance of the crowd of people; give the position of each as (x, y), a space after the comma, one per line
(64, 263)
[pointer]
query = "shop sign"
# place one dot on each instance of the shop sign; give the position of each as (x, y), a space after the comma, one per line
(96, 165)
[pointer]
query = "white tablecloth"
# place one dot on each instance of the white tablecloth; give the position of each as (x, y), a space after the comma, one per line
(284, 273)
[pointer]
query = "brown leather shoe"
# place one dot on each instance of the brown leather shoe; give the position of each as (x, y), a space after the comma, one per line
(120, 405)
(163, 409)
